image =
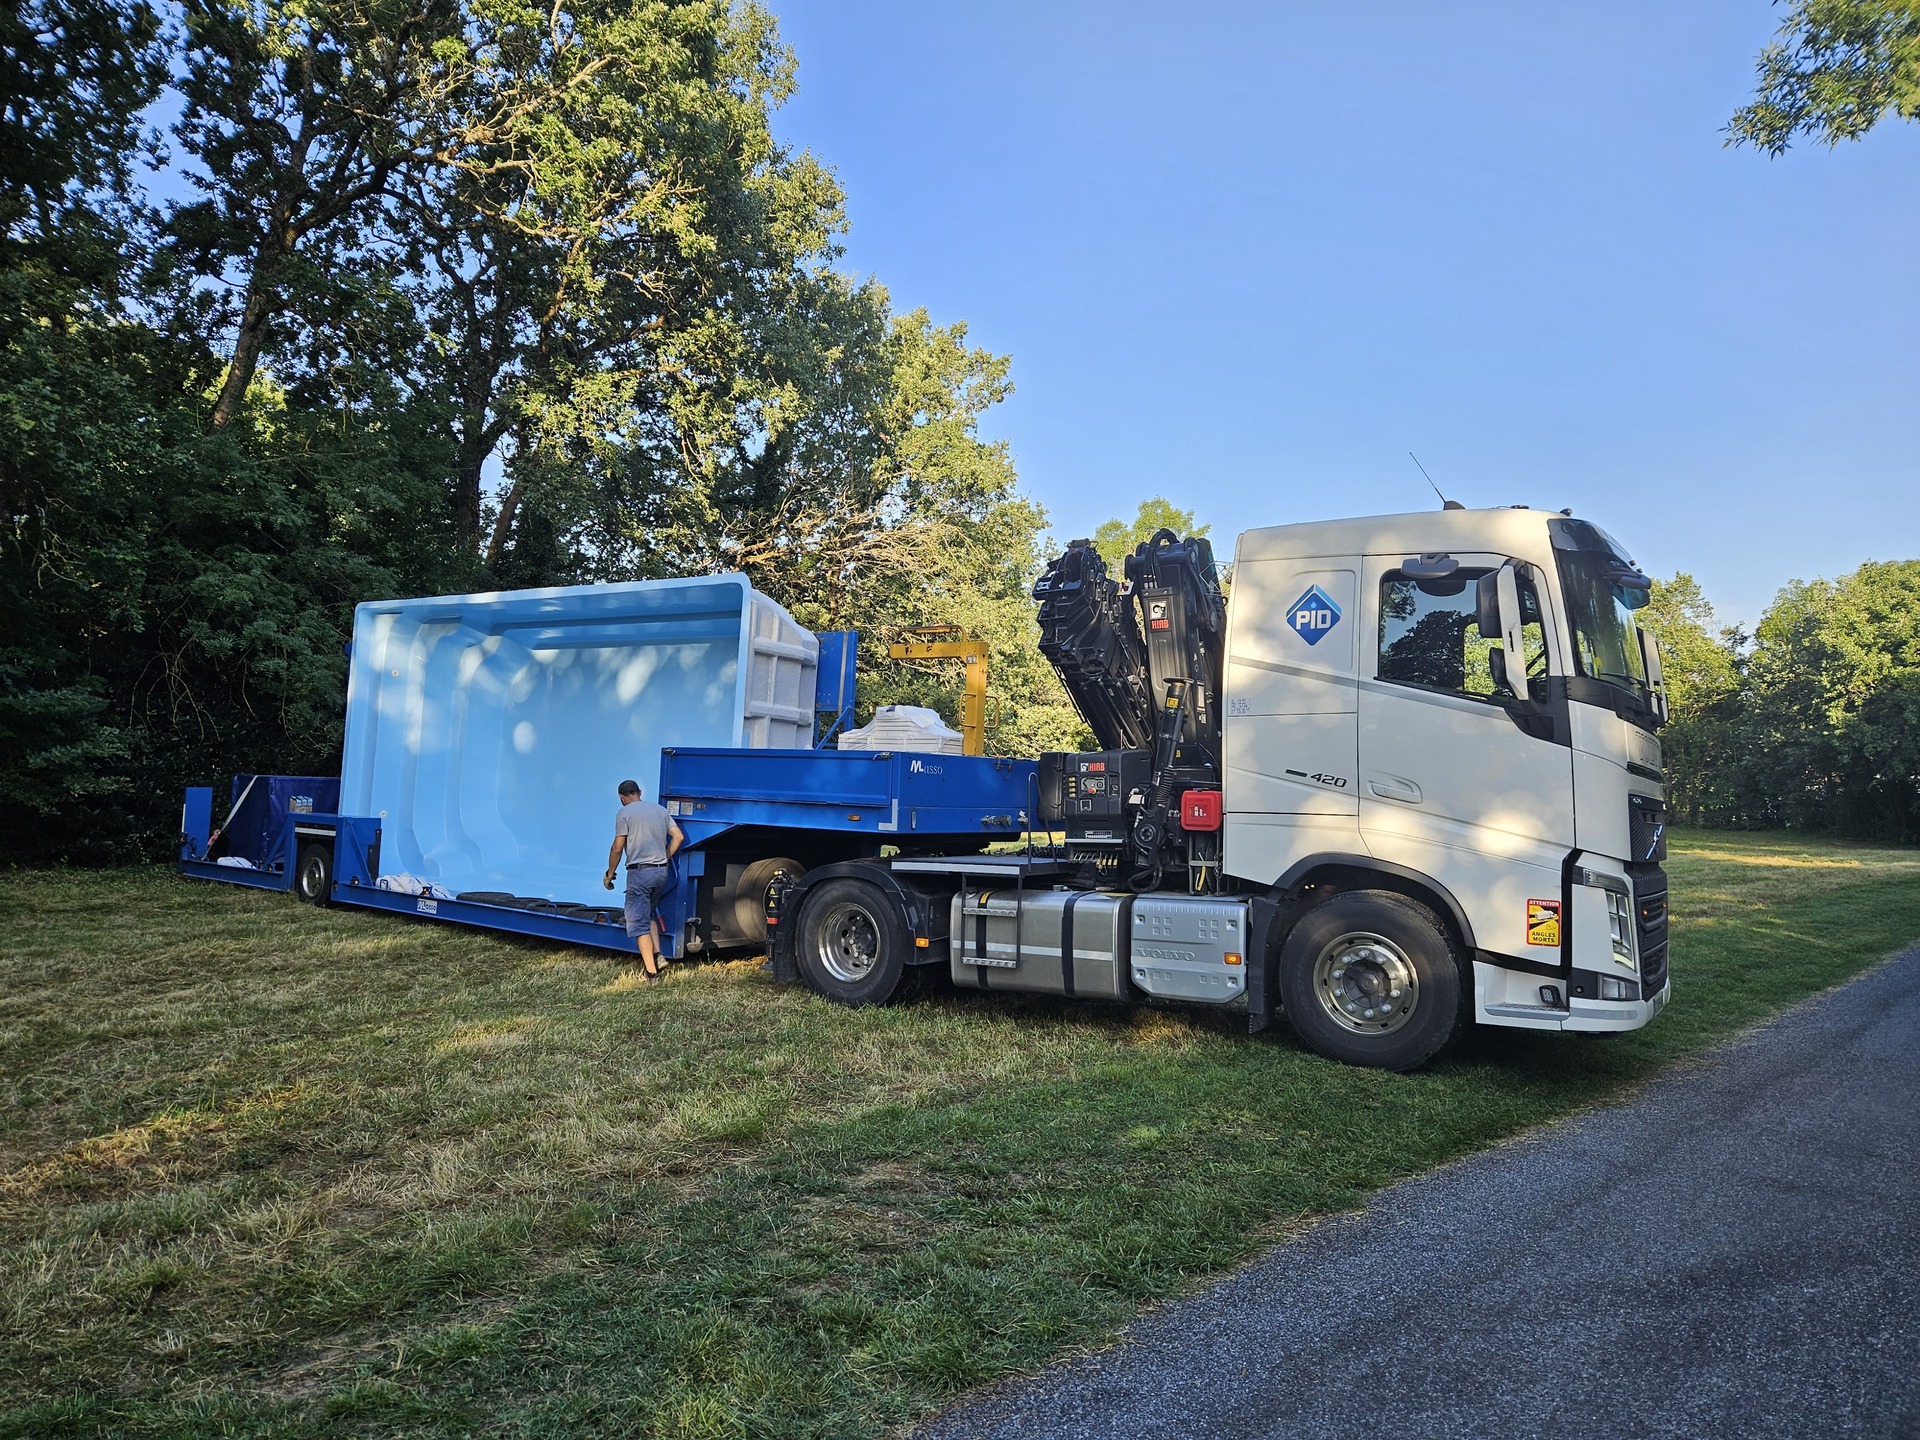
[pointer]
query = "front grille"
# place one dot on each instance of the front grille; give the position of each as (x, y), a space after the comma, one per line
(1650, 916)
(1646, 830)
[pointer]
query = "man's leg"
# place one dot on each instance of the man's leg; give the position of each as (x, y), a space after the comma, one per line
(640, 920)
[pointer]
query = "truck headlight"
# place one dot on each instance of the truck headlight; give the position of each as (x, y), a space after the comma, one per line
(1612, 989)
(1620, 926)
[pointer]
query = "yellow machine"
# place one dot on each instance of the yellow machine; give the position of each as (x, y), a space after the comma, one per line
(950, 642)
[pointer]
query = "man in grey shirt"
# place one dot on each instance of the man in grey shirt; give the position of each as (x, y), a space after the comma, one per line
(646, 837)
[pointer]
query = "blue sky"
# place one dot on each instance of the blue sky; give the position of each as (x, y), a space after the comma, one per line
(1248, 256)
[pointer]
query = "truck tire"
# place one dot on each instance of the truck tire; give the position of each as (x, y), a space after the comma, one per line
(1373, 978)
(750, 895)
(313, 873)
(852, 943)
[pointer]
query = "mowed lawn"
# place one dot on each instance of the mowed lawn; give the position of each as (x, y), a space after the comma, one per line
(266, 1170)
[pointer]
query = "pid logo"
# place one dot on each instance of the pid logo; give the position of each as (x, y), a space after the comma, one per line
(1313, 615)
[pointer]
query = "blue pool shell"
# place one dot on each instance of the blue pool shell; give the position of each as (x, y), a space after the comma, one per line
(489, 732)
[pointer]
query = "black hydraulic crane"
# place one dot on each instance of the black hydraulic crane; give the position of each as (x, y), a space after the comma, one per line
(1142, 658)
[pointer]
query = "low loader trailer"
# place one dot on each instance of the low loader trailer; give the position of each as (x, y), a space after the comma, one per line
(1407, 780)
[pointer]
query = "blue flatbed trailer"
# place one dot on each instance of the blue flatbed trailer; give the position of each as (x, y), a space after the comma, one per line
(748, 816)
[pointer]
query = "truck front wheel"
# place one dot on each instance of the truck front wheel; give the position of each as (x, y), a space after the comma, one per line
(1373, 978)
(852, 943)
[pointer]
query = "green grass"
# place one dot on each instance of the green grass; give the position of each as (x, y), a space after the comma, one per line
(272, 1171)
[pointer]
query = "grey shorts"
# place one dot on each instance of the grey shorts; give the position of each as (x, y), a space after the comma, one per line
(644, 884)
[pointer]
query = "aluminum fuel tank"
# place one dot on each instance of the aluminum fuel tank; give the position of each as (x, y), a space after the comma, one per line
(1051, 942)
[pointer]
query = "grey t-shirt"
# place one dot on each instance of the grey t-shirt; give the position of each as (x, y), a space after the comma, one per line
(644, 826)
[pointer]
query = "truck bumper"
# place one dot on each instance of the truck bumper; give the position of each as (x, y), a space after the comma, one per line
(1600, 1016)
(1503, 997)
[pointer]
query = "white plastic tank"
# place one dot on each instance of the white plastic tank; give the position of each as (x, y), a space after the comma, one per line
(489, 733)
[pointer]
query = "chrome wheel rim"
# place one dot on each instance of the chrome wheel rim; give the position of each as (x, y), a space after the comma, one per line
(849, 944)
(1366, 984)
(311, 875)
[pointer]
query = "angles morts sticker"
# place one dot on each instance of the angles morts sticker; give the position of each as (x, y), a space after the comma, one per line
(1543, 922)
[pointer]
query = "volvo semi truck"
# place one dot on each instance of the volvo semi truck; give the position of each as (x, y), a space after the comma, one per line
(1406, 779)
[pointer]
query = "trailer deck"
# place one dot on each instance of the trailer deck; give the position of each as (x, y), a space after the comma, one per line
(739, 808)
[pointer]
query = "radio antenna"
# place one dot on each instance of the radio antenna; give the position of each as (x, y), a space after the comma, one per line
(1445, 504)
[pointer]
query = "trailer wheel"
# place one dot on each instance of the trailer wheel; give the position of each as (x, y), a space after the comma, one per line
(852, 943)
(313, 874)
(751, 891)
(1373, 978)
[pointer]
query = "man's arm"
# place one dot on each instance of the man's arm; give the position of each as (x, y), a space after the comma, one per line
(613, 860)
(674, 839)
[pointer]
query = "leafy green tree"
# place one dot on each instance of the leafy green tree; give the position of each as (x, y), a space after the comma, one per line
(1117, 539)
(613, 217)
(305, 118)
(74, 418)
(1837, 69)
(74, 77)
(1833, 731)
(1703, 741)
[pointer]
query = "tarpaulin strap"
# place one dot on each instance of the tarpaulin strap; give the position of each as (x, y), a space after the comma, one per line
(251, 782)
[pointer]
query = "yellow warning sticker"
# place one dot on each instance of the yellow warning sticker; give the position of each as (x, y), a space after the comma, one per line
(1543, 922)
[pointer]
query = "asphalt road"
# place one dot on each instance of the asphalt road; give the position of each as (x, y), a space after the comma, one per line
(1736, 1253)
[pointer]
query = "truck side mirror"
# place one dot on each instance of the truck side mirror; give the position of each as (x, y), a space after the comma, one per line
(1486, 604)
(1507, 591)
(1496, 599)
(1656, 673)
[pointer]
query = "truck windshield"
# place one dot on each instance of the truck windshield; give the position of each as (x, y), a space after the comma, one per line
(1606, 643)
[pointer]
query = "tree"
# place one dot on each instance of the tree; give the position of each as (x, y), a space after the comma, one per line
(1702, 742)
(1837, 69)
(1116, 539)
(1833, 731)
(74, 77)
(306, 117)
(613, 216)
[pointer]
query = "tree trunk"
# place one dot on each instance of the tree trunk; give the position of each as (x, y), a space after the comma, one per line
(503, 524)
(246, 347)
(466, 498)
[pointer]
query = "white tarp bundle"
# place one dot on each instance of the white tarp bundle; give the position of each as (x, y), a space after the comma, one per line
(905, 727)
(405, 884)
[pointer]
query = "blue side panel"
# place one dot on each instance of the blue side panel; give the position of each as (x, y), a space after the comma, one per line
(356, 852)
(196, 822)
(836, 684)
(260, 804)
(895, 796)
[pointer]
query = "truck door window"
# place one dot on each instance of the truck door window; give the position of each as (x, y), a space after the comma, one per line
(1430, 636)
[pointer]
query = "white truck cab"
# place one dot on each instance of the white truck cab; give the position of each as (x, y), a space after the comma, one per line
(1377, 724)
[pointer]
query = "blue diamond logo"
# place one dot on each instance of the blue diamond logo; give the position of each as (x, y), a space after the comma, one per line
(1313, 615)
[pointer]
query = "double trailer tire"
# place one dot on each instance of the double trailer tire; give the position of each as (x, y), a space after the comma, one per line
(852, 943)
(1373, 978)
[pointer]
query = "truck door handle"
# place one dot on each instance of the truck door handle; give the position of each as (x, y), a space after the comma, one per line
(1392, 787)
